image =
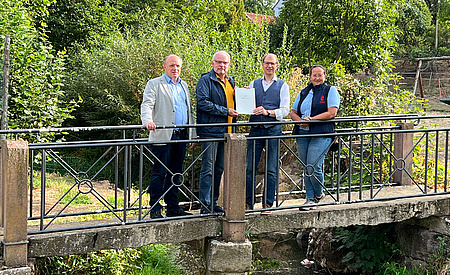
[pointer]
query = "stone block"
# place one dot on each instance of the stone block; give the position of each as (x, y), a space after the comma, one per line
(417, 243)
(228, 258)
(17, 271)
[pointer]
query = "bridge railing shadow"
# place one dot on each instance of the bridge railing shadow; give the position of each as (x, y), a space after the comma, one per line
(106, 180)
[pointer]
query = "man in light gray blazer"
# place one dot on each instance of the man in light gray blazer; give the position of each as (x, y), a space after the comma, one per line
(166, 102)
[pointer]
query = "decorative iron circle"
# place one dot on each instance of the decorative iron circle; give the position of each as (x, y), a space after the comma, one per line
(180, 179)
(306, 170)
(87, 183)
(402, 164)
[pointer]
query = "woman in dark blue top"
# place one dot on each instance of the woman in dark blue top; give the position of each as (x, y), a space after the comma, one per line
(318, 101)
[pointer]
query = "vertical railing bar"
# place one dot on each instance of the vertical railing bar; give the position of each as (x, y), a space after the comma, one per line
(254, 172)
(446, 152)
(372, 166)
(390, 155)
(125, 184)
(215, 147)
(436, 163)
(130, 166)
(426, 162)
(43, 180)
(381, 157)
(266, 156)
(116, 178)
(141, 172)
(338, 176)
(31, 182)
(192, 183)
(277, 183)
(350, 155)
(361, 158)
(333, 163)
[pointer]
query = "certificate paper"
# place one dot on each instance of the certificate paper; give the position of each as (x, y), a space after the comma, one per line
(245, 100)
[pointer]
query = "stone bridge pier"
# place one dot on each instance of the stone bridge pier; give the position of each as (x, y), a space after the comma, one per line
(233, 254)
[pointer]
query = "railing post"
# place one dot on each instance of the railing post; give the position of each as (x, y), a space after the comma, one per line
(14, 182)
(234, 254)
(234, 188)
(403, 144)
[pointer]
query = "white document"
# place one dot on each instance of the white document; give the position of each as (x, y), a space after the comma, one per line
(245, 100)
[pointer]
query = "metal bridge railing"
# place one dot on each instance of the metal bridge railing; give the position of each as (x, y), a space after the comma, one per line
(95, 183)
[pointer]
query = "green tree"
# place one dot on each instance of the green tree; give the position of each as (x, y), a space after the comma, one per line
(37, 70)
(259, 6)
(443, 29)
(70, 22)
(111, 75)
(413, 23)
(356, 33)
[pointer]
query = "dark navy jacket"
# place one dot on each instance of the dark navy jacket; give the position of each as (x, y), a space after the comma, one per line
(211, 105)
(319, 105)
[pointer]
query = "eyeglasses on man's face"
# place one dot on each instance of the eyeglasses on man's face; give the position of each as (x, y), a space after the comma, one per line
(270, 63)
(221, 62)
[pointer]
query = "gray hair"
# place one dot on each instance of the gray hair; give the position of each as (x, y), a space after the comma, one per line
(221, 52)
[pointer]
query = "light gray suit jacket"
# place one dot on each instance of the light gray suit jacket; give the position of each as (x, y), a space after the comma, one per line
(158, 107)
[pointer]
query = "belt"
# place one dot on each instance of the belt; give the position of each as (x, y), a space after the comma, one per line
(179, 131)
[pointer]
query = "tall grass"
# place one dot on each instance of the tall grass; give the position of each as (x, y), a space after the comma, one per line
(153, 259)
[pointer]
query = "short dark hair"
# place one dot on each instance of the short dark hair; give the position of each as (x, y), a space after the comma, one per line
(318, 66)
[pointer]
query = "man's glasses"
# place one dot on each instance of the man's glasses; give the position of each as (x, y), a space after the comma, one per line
(269, 63)
(221, 62)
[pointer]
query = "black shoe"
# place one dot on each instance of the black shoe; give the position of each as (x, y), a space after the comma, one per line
(176, 213)
(218, 209)
(156, 214)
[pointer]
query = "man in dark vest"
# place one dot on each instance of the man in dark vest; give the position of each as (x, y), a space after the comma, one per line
(272, 101)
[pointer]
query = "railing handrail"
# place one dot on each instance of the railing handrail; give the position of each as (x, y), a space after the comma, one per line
(285, 121)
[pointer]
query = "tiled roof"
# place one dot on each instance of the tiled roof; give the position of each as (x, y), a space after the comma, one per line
(259, 18)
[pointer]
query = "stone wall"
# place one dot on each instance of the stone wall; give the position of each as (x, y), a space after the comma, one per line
(418, 240)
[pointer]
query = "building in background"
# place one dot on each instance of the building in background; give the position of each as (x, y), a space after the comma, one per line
(277, 7)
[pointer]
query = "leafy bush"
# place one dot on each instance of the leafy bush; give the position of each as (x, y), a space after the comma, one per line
(439, 259)
(37, 71)
(111, 76)
(153, 259)
(368, 247)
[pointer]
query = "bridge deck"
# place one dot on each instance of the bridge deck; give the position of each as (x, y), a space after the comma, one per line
(284, 219)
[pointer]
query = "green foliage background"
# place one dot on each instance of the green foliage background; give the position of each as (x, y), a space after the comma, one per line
(37, 71)
(111, 75)
(86, 63)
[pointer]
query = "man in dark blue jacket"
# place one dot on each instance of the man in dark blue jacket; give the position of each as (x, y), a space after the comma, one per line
(215, 104)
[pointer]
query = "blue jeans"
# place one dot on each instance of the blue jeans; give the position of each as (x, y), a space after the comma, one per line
(211, 173)
(271, 165)
(172, 156)
(312, 151)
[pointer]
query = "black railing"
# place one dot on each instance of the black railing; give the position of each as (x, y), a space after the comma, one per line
(105, 181)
